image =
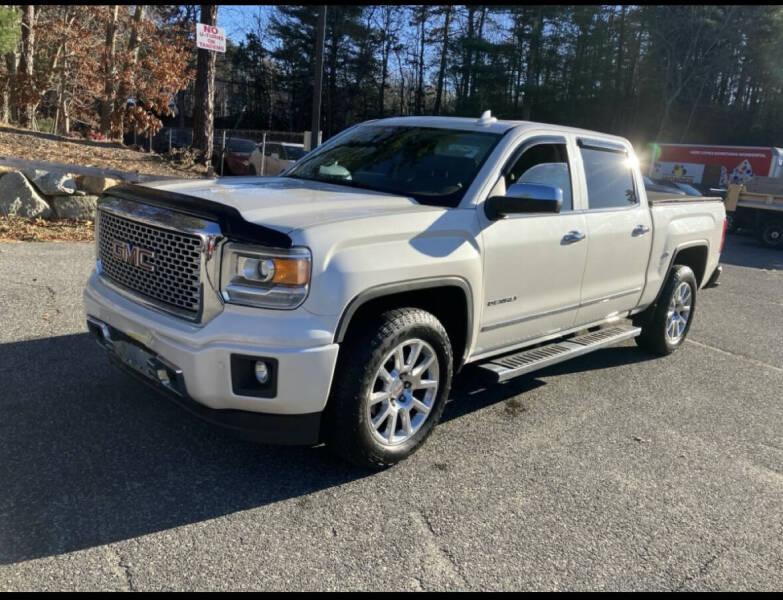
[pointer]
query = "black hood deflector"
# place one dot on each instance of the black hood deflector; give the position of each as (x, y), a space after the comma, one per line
(231, 222)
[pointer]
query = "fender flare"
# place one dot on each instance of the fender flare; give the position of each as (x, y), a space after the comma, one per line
(410, 285)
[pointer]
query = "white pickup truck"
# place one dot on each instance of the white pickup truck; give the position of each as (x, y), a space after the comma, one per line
(334, 303)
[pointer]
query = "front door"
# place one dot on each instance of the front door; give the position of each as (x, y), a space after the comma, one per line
(533, 263)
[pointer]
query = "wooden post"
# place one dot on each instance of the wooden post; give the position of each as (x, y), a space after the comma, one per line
(263, 152)
(223, 153)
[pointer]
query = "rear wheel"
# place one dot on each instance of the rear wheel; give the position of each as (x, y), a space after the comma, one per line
(666, 324)
(390, 386)
(731, 222)
(771, 234)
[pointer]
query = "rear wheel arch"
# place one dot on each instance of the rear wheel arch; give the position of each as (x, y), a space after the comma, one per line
(694, 256)
(449, 299)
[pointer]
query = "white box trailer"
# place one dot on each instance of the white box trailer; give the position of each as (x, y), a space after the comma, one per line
(714, 165)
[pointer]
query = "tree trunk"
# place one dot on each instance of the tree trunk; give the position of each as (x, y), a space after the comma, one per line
(11, 63)
(204, 109)
(420, 61)
(443, 56)
(110, 72)
(24, 79)
(133, 56)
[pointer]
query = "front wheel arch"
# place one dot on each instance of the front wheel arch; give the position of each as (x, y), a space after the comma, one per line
(448, 298)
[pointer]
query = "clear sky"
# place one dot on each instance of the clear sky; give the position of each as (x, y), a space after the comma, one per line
(238, 19)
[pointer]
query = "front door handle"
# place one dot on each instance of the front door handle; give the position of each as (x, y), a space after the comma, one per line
(640, 230)
(572, 236)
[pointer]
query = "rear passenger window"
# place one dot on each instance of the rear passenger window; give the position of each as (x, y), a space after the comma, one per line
(609, 179)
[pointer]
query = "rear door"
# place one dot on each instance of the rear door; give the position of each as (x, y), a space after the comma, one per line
(619, 231)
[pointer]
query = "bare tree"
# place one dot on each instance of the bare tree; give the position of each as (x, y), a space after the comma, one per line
(24, 77)
(443, 56)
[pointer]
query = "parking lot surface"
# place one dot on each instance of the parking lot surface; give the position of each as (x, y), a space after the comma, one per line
(614, 471)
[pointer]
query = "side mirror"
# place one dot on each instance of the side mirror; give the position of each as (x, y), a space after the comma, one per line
(524, 198)
(275, 155)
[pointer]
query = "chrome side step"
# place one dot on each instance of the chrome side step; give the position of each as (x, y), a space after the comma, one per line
(512, 365)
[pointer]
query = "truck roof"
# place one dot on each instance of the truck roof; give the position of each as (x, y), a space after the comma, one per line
(495, 125)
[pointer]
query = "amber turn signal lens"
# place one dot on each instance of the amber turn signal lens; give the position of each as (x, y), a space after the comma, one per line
(291, 271)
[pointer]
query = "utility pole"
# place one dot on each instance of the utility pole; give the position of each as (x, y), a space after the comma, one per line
(318, 81)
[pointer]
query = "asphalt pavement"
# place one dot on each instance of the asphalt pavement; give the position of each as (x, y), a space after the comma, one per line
(614, 471)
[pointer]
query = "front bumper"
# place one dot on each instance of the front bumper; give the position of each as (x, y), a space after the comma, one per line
(198, 359)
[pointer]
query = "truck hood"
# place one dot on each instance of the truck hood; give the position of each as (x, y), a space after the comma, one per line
(286, 204)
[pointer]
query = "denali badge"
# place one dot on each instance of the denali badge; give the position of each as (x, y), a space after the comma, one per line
(133, 255)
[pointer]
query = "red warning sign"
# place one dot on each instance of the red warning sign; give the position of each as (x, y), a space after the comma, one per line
(210, 37)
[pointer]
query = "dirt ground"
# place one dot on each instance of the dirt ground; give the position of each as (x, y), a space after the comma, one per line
(33, 145)
(18, 229)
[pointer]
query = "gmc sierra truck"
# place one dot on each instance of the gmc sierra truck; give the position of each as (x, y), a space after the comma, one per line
(334, 303)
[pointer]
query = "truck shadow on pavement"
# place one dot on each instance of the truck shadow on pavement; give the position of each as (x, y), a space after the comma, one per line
(90, 456)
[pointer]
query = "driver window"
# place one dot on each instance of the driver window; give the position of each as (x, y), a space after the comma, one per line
(546, 164)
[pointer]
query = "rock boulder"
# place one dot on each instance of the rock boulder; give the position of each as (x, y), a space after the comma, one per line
(95, 185)
(75, 207)
(49, 183)
(19, 198)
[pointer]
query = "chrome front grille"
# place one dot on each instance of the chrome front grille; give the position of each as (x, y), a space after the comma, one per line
(170, 272)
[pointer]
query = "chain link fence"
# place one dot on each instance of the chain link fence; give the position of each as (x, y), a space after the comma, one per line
(235, 151)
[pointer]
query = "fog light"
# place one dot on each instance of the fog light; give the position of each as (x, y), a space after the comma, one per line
(262, 372)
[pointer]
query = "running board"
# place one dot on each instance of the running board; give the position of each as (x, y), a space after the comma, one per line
(533, 359)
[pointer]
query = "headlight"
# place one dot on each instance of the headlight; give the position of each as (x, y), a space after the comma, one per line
(266, 278)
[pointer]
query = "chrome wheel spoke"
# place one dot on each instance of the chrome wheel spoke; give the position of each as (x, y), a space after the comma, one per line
(405, 417)
(414, 356)
(425, 364)
(420, 406)
(376, 397)
(425, 384)
(391, 425)
(399, 360)
(378, 420)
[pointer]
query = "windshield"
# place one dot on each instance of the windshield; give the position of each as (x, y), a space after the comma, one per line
(434, 166)
(294, 152)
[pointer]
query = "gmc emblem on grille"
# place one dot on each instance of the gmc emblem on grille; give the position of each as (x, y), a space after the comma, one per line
(133, 255)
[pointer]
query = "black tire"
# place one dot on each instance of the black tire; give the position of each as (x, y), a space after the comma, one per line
(653, 321)
(347, 431)
(731, 222)
(770, 234)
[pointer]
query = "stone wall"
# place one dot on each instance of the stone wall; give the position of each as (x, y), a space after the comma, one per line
(35, 193)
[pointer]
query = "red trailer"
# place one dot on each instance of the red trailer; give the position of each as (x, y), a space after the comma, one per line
(714, 165)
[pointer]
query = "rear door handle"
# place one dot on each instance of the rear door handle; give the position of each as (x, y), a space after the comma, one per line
(572, 236)
(640, 230)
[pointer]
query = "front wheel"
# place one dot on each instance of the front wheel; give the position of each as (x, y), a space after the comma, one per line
(390, 386)
(666, 324)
